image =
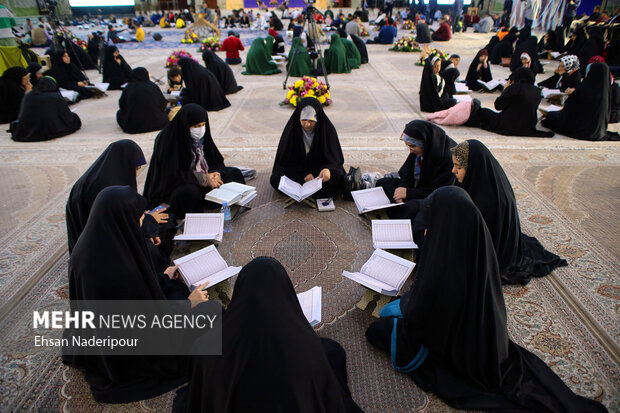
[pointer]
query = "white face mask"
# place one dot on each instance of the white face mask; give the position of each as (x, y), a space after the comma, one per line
(197, 133)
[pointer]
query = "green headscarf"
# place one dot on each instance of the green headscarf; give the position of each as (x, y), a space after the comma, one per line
(353, 54)
(269, 46)
(336, 56)
(257, 62)
(302, 65)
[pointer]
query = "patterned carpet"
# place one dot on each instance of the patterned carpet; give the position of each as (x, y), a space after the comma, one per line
(567, 194)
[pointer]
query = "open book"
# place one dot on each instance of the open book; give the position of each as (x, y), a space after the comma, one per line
(462, 98)
(555, 55)
(550, 108)
(310, 302)
(371, 199)
(101, 86)
(232, 193)
(384, 273)
(202, 227)
(461, 88)
(492, 84)
(299, 192)
(551, 92)
(69, 95)
(392, 234)
(204, 265)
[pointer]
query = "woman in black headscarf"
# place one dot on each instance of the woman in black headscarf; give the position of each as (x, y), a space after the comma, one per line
(586, 113)
(94, 42)
(14, 83)
(110, 262)
(68, 75)
(142, 106)
(427, 168)
(186, 164)
(548, 43)
(594, 46)
(575, 41)
(433, 96)
(491, 45)
(479, 69)
(272, 359)
(518, 104)
(361, 47)
(77, 54)
(449, 332)
(44, 115)
(116, 71)
(117, 165)
(309, 148)
(505, 47)
(520, 256)
(201, 86)
(222, 72)
(36, 73)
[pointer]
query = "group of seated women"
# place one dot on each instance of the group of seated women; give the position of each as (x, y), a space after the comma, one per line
(470, 243)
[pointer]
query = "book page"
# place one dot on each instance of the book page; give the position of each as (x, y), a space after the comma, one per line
(201, 264)
(310, 302)
(290, 188)
(461, 88)
(550, 92)
(370, 198)
(203, 224)
(237, 188)
(311, 187)
(222, 195)
(553, 108)
(392, 230)
(385, 270)
(102, 86)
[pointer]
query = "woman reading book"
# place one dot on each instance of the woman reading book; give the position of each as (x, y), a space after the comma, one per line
(427, 168)
(272, 359)
(119, 164)
(520, 256)
(309, 148)
(110, 261)
(186, 164)
(462, 353)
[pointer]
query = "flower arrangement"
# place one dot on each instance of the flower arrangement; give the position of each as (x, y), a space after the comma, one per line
(212, 43)
(364, 31)
(307, 87)
(408, 25)
(434, 52)
(190, 37)
(82, 43)
(173, 59)
(406, 44)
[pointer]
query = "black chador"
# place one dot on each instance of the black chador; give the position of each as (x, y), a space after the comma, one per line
(201, 86)
(222, 72)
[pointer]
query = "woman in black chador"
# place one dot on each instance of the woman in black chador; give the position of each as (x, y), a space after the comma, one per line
(309, 148)
(116, 71)
(433, 93)
(201, 86)
(222, 72)
(449, 332)
(479, 69)
(45, 115)
(14, 83)
(586, 112)
(427, 168)
(142, 106)
(518, 104)
(520, 256)
(186, 164)
(272, 359)
(110, 262)
(68, 75)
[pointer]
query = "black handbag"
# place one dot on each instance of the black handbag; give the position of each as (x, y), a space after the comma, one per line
(352, 182)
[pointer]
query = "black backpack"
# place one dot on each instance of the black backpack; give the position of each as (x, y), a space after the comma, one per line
(352, 182)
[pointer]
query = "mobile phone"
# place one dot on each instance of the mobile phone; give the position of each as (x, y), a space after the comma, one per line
(161, 207)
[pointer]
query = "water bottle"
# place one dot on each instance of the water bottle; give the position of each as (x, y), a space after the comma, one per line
(227, 217)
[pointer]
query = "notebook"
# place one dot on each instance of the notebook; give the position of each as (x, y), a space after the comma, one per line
(101, 86)
(371, 199)
(299, 192)
(232, 193)
(384, 273)
(70, 95)
(310, 302)
(492, 84)
(392, 234)
(550, 108)
(204, 265)
(202, 227)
